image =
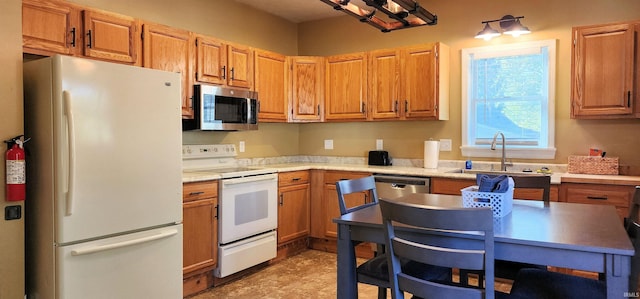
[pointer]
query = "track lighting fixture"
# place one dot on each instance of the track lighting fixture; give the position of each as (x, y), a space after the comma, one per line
(400, 14)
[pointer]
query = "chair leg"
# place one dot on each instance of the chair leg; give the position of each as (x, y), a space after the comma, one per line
(382, 293)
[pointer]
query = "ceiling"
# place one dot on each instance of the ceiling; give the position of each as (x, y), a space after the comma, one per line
(296, 11)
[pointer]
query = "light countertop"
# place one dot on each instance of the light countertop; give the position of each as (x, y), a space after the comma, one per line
(443, 172)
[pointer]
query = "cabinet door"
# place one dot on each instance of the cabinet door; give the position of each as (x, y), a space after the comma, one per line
(332, 210)
(307, 88)
(50, 27)
(384, 84)
(171, 49)
(111, 37)
(211, 63)
(602, 72)
(270, 83)
(200, 243)
(293, 213)
(346, 87)
(240, 60)
(419, 77)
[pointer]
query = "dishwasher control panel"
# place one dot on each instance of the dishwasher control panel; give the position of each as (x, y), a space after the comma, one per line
(394, 186)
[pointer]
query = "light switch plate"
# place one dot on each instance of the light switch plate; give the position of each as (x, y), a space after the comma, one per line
(445, 145)
(379, 144)
(328, 144)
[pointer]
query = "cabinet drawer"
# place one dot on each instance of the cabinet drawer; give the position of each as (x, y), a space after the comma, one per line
(618, 196)
(293, 178)
(331, 177)
(199, 190)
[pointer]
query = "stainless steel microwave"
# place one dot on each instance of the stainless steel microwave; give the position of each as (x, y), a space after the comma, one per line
(222, 109)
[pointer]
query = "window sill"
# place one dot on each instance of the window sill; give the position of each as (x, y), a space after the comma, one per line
(511, 152)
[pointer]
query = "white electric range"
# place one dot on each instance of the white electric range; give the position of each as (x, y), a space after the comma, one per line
(248, 206)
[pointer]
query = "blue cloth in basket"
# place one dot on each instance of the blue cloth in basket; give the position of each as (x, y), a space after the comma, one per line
(492, 183)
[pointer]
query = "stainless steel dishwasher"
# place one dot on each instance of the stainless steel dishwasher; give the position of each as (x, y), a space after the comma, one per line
(394, 186)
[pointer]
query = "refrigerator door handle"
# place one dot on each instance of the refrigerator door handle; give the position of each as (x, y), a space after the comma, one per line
(66, 96)
(100, 248)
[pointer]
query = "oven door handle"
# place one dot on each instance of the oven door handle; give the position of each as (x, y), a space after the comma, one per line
(228, 182)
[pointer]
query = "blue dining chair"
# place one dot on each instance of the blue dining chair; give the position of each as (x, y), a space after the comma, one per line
(539, 284)
(448, 254)
(375, 271)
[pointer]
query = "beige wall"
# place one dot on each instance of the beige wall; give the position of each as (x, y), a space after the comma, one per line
(11, 232)
(458, 22)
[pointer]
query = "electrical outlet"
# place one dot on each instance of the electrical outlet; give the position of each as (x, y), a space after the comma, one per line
(241, 146)
(445, 145)
(328, 144)
(379, 144)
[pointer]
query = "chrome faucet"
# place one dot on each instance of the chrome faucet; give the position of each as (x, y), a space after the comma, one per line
(503, 162)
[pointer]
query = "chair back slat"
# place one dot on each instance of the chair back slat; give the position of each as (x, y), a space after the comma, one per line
(534, 182)
(427, 289)
(633, 230)
(364, 184)
(477, 222)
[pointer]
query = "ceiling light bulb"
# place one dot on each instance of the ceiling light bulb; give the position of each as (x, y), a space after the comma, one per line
(517, 29)
(487, 33)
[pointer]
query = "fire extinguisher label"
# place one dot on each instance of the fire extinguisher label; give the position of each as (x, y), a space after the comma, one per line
(16, 171)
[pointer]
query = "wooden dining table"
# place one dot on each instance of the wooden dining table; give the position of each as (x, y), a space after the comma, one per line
(585, 237)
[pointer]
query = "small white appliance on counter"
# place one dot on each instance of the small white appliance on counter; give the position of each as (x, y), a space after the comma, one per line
(104, 187)
(248, 211)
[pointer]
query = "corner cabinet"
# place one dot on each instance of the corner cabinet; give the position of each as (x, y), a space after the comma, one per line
(200, 240)
(604, 71)
(293, 206)
(270, 82)
(331, 208)
(306, 93)
(170, 49)
(346, 87)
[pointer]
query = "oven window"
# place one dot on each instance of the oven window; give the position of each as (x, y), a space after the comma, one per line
(231, 110)
(250, 207)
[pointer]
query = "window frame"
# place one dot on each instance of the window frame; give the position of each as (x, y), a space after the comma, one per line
(538, 152)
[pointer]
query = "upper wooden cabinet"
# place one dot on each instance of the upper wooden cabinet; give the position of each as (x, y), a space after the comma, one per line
(409, 83)
(602, 73)
(55, 27)
(223, 64)
(271, 84)
(110, 36)
(425, 81)
(50, 27)
(346, 87)
(171, 49)
(306, 88)
(384, 85)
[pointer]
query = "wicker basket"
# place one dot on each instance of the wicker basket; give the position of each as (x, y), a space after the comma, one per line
(592, 165)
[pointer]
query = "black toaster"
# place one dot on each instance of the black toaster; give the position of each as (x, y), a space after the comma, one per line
(379, 158)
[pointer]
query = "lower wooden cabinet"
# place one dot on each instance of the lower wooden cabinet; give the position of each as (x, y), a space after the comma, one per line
(293, 206)
(618, 196)
(331, 208)
(200, 230)
(453, 187)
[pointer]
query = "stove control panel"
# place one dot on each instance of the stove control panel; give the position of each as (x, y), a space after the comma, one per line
(206, 151)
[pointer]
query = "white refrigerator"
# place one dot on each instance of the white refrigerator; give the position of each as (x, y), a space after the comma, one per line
(104, 180)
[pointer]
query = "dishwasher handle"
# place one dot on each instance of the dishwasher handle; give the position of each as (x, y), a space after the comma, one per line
(401, 181)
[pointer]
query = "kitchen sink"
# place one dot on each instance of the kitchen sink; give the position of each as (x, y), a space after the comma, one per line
(508, 172)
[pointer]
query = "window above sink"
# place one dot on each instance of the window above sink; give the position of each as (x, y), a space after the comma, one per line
(509, 88)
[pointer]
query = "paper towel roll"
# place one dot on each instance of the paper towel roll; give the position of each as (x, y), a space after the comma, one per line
(431, 151)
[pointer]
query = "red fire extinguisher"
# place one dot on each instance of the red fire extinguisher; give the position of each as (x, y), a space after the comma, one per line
(16, 169)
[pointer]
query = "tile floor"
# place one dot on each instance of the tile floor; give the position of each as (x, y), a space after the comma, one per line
(310, 274)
